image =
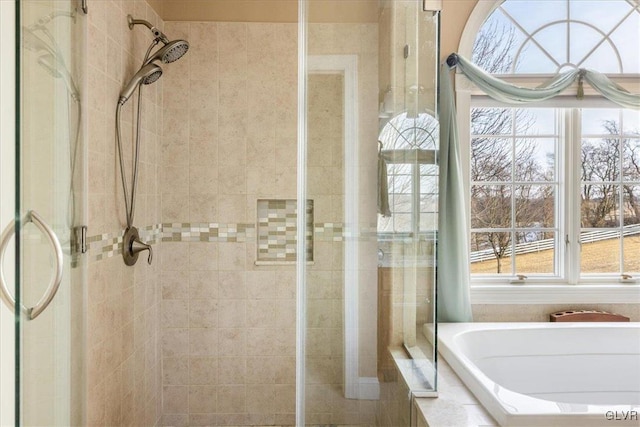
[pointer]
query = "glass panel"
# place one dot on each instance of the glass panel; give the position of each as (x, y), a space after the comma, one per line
(429, 203)
(401, 184)
(491, 121)
(535, 159)
(428, 185)
(600, 251)
(590, 11)
(490, 253)
(631, 251)
(535, 252)
(600, 206)
(628, 45)
(631, 160)
(631, 122)
(594, 121)
(631, 206)
(491, 159)
(539, 121)
(521, 12)
(535, 206)
(604, 59)
(600, 160)
(584, 39)
(428, 221)
(490, 206)
(382, 289)
(52, 151)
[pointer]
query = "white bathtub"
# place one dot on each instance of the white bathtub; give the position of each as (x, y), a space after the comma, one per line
(549, 374)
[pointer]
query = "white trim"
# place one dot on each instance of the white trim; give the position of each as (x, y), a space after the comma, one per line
(555, 294)
(347, 65)
(301, 265)
(369, 388)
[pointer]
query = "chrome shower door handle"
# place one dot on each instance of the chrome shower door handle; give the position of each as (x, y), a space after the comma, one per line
(56, 279)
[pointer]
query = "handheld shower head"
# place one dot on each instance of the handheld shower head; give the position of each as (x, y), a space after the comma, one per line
(171, 52)
(57, 70)
(148, 74)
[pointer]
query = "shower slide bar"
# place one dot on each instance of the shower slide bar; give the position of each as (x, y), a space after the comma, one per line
(50, 293)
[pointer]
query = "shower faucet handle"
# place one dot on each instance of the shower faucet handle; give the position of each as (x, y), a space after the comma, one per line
(132, 246)
(138, 246)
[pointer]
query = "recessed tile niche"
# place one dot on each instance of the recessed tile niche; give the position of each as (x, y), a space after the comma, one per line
(277, 231)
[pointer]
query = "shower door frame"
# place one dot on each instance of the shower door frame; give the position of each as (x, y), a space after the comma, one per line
(347, 66)
(8, 356)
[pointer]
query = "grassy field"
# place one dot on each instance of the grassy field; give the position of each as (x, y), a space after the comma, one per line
(597, 257)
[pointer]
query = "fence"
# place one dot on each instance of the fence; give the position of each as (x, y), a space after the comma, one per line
(545, 244)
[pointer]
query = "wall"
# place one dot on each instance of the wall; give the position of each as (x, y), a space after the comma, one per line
(229, 140)
(123, 384)
(454, 16)
(326, 11)
(541, 312)
(230, 108)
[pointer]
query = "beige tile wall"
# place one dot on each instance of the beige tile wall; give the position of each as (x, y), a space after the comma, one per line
(124, 384)
(229, 139)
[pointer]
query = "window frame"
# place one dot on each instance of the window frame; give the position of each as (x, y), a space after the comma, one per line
(571, 288)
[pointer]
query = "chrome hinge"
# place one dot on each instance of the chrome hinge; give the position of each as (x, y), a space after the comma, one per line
(85, 8)
(80, 239)
(406, 51)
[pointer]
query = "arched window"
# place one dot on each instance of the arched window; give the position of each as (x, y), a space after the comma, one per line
(552, 36)
(554, 189)
(409, 146)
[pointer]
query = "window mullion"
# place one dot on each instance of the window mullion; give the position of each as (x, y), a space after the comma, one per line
(572, 170)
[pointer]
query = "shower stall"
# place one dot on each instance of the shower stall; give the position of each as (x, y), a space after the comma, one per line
(283, 173)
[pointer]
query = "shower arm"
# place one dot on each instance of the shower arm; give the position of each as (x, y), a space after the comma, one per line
(156, 32)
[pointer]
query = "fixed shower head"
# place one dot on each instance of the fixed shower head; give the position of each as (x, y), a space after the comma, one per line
(146, 75)
(171, 52)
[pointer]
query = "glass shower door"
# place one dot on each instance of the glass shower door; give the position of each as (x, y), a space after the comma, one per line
(40, 249)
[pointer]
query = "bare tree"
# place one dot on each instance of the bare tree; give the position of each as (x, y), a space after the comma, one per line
(493, 159)
(604, 164)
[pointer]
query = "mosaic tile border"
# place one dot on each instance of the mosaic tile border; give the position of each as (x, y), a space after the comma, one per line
(103, 246)
(207, 232)
(108, 245)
